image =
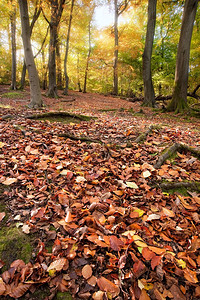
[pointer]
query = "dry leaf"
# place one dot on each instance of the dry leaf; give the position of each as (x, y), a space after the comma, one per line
(87, 271)
(108, 286)
(2, 215)
(190, 275)
(98, 295)
(9, 181)
(57, 264)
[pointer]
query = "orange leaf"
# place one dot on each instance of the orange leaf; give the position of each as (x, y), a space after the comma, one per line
(87, 271)
(157, 250)
(2, 287)
(2, 215)
(144, 295)
(190, 275)
(155, 261)
(9, 181)
(147, 254)
(108, 286)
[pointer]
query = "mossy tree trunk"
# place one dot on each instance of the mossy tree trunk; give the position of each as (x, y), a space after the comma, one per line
(179, 97)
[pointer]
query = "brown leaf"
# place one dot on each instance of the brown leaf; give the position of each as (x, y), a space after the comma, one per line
(139, 268)
(115, 243)
(57, 264)
(176, 292)
(144, 295)
(20, 290)
(2, 287)
(87, 271)
(108, 286)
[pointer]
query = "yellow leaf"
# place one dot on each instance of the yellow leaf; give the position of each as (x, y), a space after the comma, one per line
(181, 263)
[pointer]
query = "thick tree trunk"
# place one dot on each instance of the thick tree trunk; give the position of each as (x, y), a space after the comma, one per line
(88, 59)
(56, 13)
(179, 98)
(13, 43)
(115, 66)
(67, 49)
(149, 94)
(36, 99)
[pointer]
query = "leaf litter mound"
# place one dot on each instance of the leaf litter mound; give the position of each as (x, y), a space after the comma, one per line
(105, 228)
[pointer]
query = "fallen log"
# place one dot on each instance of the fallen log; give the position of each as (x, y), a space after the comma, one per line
(173, 149)
(143, 136)
(79, 138)
(176, 185)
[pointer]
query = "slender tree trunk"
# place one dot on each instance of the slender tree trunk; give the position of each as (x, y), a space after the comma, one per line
(13, 43)
(179, 97)
(36, 99)
(67, 49)
(149, 94)
(78, 75)
(115, 66)
(88, 59)
(59, 69)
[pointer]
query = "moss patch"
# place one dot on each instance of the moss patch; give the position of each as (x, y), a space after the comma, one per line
(14, 244)
(12, 95)
(63, 296)
(61, 116)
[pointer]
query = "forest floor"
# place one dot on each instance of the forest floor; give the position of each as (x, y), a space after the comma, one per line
(103, 207)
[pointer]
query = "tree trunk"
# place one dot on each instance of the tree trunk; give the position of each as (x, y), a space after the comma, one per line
(67, 49)
(179, 98)
(36, 99)
(13, 43)
(78, 75)
(36, 15)
(88, 59)
(149, 94)
(59, 69)
(115, 66)
(56, 13)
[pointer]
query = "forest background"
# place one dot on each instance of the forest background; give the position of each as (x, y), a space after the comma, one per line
(86, 53)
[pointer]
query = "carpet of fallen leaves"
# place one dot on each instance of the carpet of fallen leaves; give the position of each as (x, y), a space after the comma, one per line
(115, 234)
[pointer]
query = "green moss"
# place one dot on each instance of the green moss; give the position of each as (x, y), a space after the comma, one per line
(182, 191)
(63, 296)
(12, 95)
(14, 244)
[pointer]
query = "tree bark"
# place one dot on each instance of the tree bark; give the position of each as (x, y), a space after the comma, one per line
(35, 93)
(88, 59)
(56, 13)
(179, 98)
(36, 15)
(13, 43)
(149, 94)
(115, 66)
(67, 49)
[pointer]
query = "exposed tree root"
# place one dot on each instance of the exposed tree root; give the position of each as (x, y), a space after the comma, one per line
(144, 135)
(59, 114)
(173, 149)
(176, 185)
(79, 138)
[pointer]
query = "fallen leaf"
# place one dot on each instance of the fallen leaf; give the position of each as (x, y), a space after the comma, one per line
(144, 295)
(26, 228)
(98, 295)
(57, 264)
(87, 271)
(131, 185)
(167, 212)
(190, 275)
(115, 243)
(146, 174)
(2, 215)
(108, 286)
(9, 181)
(153, 217)
(20, 290)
